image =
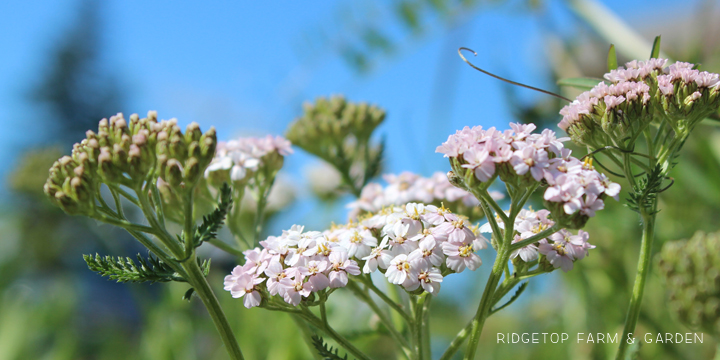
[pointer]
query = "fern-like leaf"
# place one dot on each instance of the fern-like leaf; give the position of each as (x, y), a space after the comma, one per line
(645, 192)
(517, 294)
(125, 269)
(325, 350)
(213, 222)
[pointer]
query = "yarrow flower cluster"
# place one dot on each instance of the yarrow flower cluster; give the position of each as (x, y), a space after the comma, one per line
(639, 93)
(409, 187)
(129, 153)
(523, 158)
(237, 160)
(560, 249)
(415, 246)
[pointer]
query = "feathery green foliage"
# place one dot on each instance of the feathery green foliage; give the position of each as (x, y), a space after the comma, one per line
(644, 194)
(325, 350)
(213, 222)
(125, 269)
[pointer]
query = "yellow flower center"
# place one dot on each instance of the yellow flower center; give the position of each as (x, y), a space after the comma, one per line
(466, 250)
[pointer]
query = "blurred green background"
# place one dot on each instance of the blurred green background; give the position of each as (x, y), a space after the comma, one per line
(52, 307)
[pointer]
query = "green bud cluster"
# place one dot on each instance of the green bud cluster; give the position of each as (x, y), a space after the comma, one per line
(329, 122)
(691, 270)
(129, 153)
(339, 132)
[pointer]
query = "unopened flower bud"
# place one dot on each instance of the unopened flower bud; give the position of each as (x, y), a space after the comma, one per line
(174, 173)
(691, 269)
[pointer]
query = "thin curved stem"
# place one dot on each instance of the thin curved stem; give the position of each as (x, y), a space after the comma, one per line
(506, 80)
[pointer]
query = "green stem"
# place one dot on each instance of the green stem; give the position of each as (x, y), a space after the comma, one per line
(497, 232)
(420, 327)
(535, 238)
(162, 255)
(160, 231)
(203, 290)
(484, 195)
(426, 326)
(639, 287)
(489, 293)
(329, 331)
(159, 209)
(225, 247)
(627, 168)
(348, 180)
(124, 193)
(189, 229)
(306, 334)
(393, 305)
(457, 342)
(124, 223)
(365, 297)
(260, 215)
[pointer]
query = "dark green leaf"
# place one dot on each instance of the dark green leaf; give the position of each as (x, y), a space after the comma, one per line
(656, 48)
(188, 294)
(644, 194)
(326, 351)
(126, 269)
(214, 221)
(580, 83)
(612, 58)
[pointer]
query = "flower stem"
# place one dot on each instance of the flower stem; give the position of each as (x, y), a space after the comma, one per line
(489, 293)
(329, 331)
(260, 213)
(393, 305)
(485, 303)
(457, 342)
(365, 297)
(426, 326)
(639, 287)
(203, 290)
(225, 247)
(419, 345)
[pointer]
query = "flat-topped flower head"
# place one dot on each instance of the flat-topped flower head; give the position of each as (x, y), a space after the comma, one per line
(239, 161)
(616, 111)
(575, 189)
(407, 187)
(419, 243)
(517, 156)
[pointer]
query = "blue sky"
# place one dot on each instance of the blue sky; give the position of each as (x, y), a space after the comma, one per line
(245, 67)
